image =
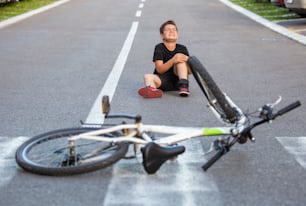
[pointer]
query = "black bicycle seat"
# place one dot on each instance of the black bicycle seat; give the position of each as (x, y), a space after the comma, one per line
(154, 155)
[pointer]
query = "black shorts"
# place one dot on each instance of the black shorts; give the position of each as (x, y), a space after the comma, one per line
(168, 82)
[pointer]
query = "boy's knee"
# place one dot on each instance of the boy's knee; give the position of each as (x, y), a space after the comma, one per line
(182, 65)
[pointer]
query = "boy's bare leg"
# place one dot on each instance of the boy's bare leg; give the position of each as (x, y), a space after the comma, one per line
(152, 80)
(182, 70)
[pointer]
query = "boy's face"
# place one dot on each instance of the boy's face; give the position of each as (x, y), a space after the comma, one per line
(169, 33)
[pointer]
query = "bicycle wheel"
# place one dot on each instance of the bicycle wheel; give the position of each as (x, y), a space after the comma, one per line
(49, 153)
(212, 92)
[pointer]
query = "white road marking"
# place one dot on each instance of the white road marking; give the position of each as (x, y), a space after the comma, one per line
(182, 181)
(30, 13)
(141, 5)
(295, 146)
(95, 115)
(138, 13)
(8, 165)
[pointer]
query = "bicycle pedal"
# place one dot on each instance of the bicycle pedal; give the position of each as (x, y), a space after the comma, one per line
(217, 145)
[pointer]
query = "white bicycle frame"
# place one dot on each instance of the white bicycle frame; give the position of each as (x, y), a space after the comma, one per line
(176, 134)
(138, 131)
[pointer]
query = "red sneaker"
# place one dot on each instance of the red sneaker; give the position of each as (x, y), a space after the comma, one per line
(150, 92)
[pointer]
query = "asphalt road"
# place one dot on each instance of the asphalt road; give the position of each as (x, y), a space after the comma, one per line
(53, 66)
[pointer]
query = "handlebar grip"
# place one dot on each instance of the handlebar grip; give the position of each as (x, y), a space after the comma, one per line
(288, 108)
(217, 156)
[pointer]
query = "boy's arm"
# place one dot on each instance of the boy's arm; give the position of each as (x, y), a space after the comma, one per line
(162, 67)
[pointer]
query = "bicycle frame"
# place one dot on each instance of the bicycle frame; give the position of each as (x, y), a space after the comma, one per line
(176, 134)
(154, 151)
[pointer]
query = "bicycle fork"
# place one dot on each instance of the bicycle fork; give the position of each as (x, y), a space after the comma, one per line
(71, 157)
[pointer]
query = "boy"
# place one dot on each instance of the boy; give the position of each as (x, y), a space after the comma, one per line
(171, 67)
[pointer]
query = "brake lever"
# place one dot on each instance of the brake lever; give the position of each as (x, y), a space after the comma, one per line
(266, 111)
(272, 105)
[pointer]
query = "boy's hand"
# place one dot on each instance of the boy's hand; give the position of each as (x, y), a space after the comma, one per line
(179, 58)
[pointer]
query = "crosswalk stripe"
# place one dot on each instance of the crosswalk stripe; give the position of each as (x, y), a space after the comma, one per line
(8, 166)
(183, 180)
(295, 146)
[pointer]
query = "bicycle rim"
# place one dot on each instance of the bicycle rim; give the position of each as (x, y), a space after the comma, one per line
(49, 153)
(211, 91)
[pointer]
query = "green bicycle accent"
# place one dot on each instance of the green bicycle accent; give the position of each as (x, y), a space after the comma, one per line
(216, 131)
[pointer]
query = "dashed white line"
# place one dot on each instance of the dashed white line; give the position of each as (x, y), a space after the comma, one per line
(110, 85)
(141, 5)
(138, 13)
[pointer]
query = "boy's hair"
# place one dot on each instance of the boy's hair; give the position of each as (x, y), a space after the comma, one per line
(162, 27)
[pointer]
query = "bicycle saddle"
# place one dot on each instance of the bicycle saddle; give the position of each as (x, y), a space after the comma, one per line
(154, 155)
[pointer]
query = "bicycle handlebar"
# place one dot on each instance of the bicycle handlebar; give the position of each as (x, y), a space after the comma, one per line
(266, 114)
(287, 109)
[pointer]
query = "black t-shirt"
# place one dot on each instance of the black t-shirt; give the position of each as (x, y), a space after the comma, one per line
(162, 53)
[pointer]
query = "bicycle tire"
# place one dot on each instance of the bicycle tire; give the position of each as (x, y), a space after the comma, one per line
(46, 154)
(212, 92)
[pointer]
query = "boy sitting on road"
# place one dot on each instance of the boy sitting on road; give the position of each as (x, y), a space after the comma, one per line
(171, 67)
